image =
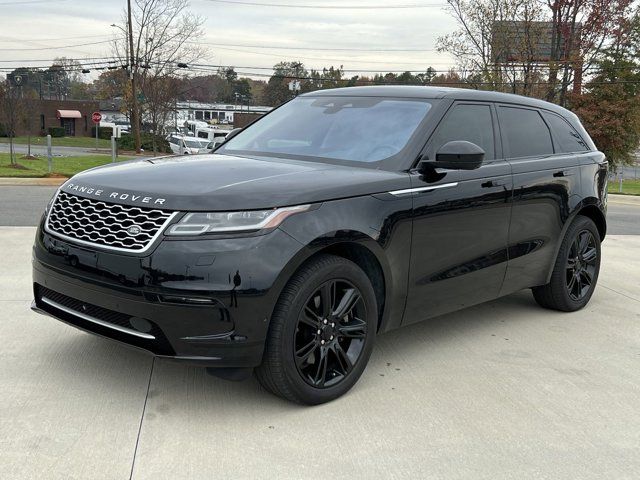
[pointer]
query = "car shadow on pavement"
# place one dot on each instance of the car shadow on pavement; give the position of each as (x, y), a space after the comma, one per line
(179, 389)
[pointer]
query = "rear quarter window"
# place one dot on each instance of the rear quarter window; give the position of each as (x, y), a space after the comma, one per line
(525, 132)
(569, 141)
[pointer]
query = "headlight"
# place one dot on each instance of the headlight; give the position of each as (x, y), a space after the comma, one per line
(216, 222)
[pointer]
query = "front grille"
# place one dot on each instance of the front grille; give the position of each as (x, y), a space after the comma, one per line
(105, 224)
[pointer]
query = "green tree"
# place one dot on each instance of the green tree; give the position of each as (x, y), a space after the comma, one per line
(610, 108)
(277, 90)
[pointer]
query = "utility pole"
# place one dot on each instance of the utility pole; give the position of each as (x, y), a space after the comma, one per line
(135, 114)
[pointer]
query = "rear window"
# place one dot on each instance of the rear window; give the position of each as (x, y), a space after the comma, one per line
(525, 132)
(568, 139)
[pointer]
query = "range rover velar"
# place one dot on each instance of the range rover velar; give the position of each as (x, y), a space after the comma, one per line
(340, 215)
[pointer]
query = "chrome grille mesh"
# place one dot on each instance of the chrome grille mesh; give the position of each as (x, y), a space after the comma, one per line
(105, 224)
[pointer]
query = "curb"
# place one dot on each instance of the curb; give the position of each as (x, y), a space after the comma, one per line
(32, 182)
(620, 199)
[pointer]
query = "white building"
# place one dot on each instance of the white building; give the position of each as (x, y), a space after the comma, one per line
(211, 113)
(221, 113)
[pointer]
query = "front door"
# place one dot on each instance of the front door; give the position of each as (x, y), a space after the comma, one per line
(69, 125)
(461, 221)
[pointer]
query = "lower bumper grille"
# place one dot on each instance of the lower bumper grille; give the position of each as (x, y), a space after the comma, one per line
(94, 314)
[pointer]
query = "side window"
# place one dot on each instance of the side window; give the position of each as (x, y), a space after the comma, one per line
(525, 132)
(472, 123)
(569, 140)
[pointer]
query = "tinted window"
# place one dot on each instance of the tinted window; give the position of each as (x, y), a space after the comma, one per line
(525, 132)
(465, 122)
(569, 140)
(358, 129)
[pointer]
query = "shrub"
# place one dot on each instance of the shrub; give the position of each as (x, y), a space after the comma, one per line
(56, 132)
(127, 142)
(104, 133)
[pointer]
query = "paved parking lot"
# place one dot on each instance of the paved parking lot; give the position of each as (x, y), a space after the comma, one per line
(502, 390)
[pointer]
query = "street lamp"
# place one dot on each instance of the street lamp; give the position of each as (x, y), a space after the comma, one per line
(126, 40)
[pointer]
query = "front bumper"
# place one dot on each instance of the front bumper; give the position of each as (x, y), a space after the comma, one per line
(147, 302)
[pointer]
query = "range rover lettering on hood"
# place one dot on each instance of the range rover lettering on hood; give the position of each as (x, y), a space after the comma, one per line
(223, 183)
(98, 192)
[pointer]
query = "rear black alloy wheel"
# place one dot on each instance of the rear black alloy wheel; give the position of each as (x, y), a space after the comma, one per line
(581, 265)
(321, 333)
(330, 333)
(575, 272)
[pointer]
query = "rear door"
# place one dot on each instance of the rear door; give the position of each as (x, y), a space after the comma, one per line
(461, 220)
(546, 183)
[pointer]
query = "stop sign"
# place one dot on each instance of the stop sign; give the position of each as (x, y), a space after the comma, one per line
(96, 117)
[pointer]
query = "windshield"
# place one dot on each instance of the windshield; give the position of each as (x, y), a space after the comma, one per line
(191, 143)
(359, 129)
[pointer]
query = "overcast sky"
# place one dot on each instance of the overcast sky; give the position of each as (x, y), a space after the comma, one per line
(29, 29)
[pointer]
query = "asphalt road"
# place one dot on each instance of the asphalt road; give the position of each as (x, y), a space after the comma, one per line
(504, 390)
(23, 205)
(61, 151)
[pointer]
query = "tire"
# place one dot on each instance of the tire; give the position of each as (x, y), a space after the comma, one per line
(575, 273)
(309, 360)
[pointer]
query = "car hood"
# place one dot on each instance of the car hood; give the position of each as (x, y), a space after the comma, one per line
(223, 182)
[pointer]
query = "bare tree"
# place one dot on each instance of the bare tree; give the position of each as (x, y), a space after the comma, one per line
(503, 42)
(164, 40)
(161, 93)
(28, 104)
(486, 49)
(581, 30)
(10, 113)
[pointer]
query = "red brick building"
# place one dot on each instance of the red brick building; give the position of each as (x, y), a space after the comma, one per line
(73, 115)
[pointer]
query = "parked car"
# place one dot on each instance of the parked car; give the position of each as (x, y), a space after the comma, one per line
(185, 145)
(214, 135)
(337, 217)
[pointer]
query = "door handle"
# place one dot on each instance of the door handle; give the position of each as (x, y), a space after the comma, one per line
(492, 184)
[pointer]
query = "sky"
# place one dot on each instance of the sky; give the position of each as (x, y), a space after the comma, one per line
(243, 33)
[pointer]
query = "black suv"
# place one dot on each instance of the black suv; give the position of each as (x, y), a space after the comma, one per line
(341, 215)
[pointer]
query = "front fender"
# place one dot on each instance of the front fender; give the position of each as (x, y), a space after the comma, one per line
(383, 227)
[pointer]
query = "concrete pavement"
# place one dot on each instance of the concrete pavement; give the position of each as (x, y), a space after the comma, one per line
(504, 390)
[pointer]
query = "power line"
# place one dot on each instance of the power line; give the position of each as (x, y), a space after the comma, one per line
(343, 60)
(54, 59)
(329, 7)
(53, 48)
(32, 39)
(29, 2)
(281, 47)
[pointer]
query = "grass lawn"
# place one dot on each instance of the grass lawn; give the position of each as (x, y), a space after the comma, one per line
(629, 187)
(65, 166)
(85, 142)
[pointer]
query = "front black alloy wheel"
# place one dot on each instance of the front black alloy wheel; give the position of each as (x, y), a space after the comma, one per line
(330, 334)
(576, 270)
(321, 333)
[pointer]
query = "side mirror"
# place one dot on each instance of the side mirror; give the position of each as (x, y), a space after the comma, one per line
(456, 155)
